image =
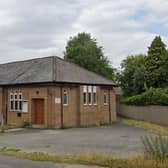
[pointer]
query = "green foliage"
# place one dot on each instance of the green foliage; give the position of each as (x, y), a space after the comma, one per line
(24, 124)
(156, 147)
(156, 62)
(153, 96)
(154, 128)
(88, 159)
(140, 72)
(84, 51)
(2, 129)
(134, 74)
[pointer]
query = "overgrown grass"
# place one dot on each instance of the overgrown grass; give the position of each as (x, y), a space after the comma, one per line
(156, 147)
(155, 128)
(87, 159)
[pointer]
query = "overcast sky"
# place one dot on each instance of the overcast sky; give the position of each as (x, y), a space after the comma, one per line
(38, 28)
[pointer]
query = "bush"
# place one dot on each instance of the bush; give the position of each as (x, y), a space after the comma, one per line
(156, 147)
(153, 96)
(24, 124)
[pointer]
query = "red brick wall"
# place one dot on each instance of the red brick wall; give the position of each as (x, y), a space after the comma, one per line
(75, 114)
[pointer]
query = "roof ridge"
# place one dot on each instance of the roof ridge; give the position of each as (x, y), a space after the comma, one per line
(27, 60)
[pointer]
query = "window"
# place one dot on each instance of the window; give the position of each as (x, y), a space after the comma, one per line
(16, 101)
(11, 101)
(94, 95)
(65, 98)
(24, 106)
(20, 102)
(84, 95)
(89, 95)
(105, 98)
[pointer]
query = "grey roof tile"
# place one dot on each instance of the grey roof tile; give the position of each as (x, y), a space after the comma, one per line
(48, 69)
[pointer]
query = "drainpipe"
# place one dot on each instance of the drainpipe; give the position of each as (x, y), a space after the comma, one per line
(62, 115)
(109, 108)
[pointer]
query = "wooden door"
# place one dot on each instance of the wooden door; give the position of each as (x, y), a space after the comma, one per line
(39, 111)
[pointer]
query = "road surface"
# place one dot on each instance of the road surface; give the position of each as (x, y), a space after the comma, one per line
(12, 162)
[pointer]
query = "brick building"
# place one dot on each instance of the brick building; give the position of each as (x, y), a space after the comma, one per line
(51, 92)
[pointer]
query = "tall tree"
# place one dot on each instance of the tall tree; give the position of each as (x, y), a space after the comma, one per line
(84, 51)
(156, 61)
(133, 74)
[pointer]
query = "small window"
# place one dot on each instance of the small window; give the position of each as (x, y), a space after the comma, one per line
(94, 95)
(20, 102)
(89, 95)
(65, 97)
(11, 101)
(15, 101)
(105, 98)
(85, 95)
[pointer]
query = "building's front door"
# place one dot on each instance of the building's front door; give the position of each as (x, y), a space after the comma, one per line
(39, 111)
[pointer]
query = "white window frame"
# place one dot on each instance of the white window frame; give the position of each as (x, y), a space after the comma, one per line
(16, 97)
(94, 93)
(85, 88)
(65, 93)
(105, 97)
(90, 93)
(20, 100)
(11, 100)
(16, 101)
(24, 106)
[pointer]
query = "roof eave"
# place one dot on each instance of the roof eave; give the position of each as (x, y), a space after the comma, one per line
(57, 82)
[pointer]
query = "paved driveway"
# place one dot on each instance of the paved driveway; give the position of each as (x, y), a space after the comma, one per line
(117, 139)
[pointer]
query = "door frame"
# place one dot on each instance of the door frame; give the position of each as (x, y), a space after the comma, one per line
(33, 112)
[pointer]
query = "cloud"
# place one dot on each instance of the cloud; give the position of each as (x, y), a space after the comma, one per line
(32, 28)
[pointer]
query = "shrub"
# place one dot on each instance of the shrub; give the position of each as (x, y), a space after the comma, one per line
(2, 129)
(24, 124)
(153, 96)
(156, 147)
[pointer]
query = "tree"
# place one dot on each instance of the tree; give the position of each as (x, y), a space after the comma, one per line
(133, 75)
(140, 71)
(163, 69)
(84, 51)
(157, 56)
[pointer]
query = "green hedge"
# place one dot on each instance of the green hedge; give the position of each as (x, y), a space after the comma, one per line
(153, 96)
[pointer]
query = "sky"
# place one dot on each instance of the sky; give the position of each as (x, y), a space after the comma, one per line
(39, 28)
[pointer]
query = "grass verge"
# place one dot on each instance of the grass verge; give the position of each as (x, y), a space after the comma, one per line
(155, 128)
(87, 159)
(4, 128)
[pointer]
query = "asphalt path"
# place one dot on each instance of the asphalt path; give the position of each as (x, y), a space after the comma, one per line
(12, 162)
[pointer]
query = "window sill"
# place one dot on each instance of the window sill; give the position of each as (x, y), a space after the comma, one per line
(65, 105)
(14, 111)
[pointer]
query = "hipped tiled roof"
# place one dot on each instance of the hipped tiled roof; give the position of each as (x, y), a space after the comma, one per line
(48, 69)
